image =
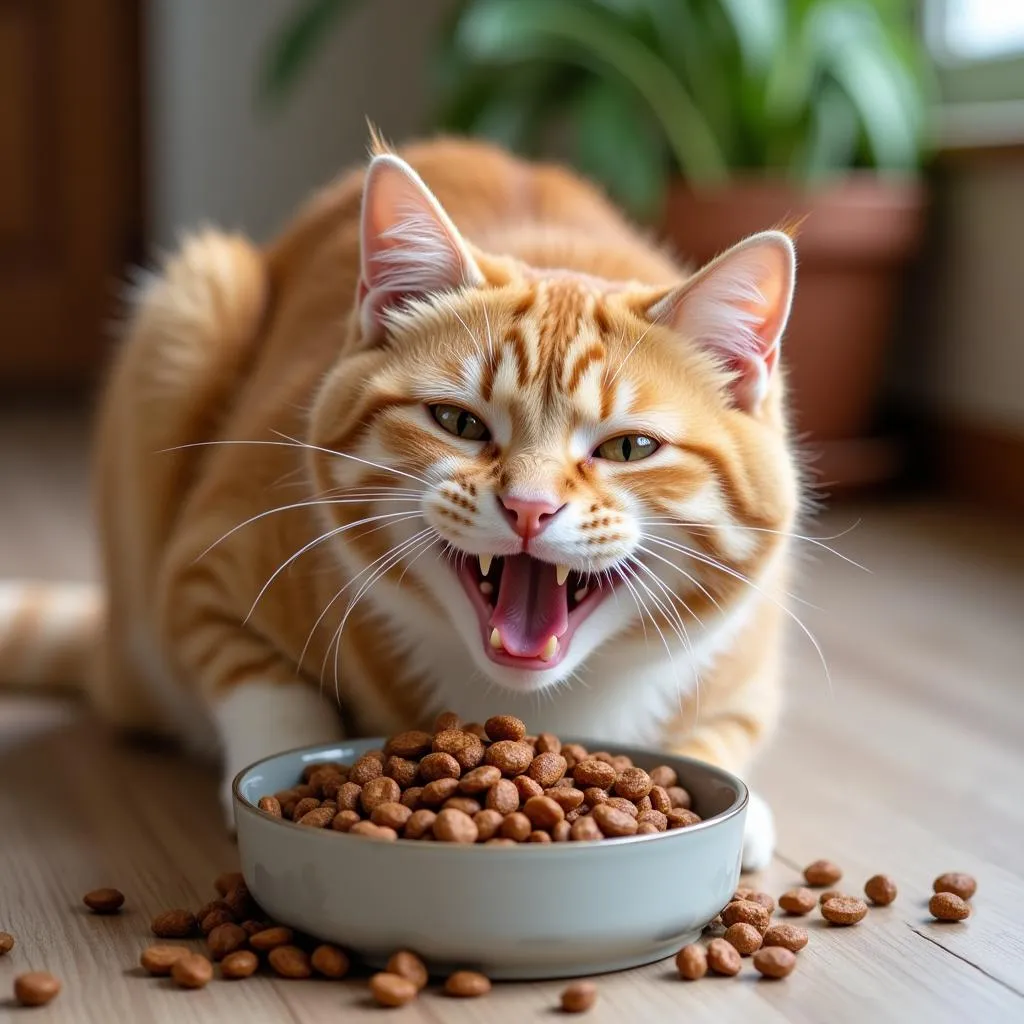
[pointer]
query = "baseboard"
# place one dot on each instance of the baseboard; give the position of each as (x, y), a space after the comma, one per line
(980, 462)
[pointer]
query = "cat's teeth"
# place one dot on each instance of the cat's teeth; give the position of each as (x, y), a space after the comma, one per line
(496, 639)
(486, 588)
(485, 564)
(561, 573)
(580, 594)
(550, 648)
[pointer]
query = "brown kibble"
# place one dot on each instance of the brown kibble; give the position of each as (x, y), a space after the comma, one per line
(252, 927)
(746, 912)
(290, 962)
(349, 797)
(380, 790)
(561, 831)
(516, 826)
(947, 906)
(466, 804)
(633, 784)
(680, 817)
(548, 743)
(467, 749)
(467, 984)
(579, 997)
(218, 913)
(402, 771)
(527, 787)
(330, 961)
(622, 804)
(453, 826)
(409, 966)
(646, 828)
(511, 757)
(880, 889)
(344, 820)
(547, 769)
(243, 963)
(476, 729)
(543, 812)
(723, 958)
(371, 831)
(585, 830)
(594, 773)
(567, 799)
(503, 797)
(774, 962)
(271, 938)
(192, 971)
(822, 872)
(539, 836)
(104, 901)
(303, 807)
(36, 988)
(678, 797)
(479, 780)
(612, 821)
(788, 936)
(6, 943)
(659, 799)
(797, 901)
(655, 818)
(487, 824)
(574, 753)
(226, 882)
(504, 727)
(439, 766)
(745, 937)
(664, 776)
(409, 745)
(391, 989)
(843, 910)
(226, 938)
(411, 797)
(158, 960)
(594, 795)
(240, 902)
(956, 882)
(174, 924)
(365, 770)
(500, 841)
(692, 962)
(831, 894)
(391, 814)
(437, 792)
(447, 720)
(420, 823)
(319, 817)
(764, 899)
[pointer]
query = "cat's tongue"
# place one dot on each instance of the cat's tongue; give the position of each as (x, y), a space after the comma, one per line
(532, 608)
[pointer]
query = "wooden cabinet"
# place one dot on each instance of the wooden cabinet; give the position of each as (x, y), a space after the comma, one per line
(70, 207)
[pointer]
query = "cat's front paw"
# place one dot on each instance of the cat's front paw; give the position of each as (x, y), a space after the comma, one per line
(759, 835)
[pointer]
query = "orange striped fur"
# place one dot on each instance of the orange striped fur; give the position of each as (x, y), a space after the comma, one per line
(267, 396)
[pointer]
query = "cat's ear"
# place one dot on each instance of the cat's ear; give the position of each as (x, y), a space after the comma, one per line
(409, 246)
(737, 307)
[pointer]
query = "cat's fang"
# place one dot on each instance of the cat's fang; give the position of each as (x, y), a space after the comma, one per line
(496, 640)
(550, 648)
(580, 594)
(561, 574)
(485, 564)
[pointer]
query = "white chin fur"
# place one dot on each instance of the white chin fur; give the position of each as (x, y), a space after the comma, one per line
(758, 835)
(258, 719)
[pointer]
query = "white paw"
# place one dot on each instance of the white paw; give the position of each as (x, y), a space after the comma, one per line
(258, 719)
(759, 834)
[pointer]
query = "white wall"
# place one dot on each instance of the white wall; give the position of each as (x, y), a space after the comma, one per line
(212, 155)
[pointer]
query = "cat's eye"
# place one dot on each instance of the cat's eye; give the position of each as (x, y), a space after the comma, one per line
(627, 448)
(460, 422)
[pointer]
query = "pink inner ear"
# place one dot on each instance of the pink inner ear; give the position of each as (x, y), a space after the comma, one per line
(409, 245)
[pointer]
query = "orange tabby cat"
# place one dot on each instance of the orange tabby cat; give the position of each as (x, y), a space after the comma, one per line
(478, 444)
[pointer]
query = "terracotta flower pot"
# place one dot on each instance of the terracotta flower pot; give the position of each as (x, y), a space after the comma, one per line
(854, 241)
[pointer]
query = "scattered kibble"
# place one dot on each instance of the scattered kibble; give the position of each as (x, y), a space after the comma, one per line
(947, 906)
(723, 958)
(797, 901)
(788, 936)
(104, 901)
(6, 943)
(692, 962)
(579, 997)
(392, 989)
(158, 960)
(410, 966)
(467, 985)
(880, 889)
(843, 910)
(36, 988)
(774, 962)
(822, 873)
(956, 882)
(192, 971)
(241, 964)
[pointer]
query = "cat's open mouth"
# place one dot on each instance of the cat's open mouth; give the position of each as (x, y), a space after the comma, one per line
(528, 609)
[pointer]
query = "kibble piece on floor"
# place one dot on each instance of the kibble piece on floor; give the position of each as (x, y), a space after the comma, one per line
(36, 988)
(723, 958)
(192, 971)
(774, 962)
(290, 962)
(104, 901)
(6, 942)
(330, 961)
(822, 872)
(956, 882)
(158, 960)
(797, 901)
(880, 889)
(392, 989)
(241, 964)
(174, 924)
(788, 936)
(947, 906)
(467, 985)
(692, 962)
(843, 910)
(745, 937)
(409, 966)
(579, 997)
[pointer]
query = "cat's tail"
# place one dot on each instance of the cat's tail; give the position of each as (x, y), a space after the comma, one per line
(49, 634)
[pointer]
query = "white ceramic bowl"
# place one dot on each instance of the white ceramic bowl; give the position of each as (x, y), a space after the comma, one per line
(528, 911)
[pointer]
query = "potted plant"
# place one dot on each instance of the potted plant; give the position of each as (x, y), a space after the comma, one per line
(712, 119)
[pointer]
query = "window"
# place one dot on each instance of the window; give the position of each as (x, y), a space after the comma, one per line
(975, 30)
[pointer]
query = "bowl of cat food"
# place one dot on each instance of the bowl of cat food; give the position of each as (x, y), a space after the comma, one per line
(481, 847)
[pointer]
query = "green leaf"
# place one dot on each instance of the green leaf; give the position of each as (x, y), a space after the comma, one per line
(509, 31)
(296, 43)
(831, 141)
(758, 27)
(615, 145)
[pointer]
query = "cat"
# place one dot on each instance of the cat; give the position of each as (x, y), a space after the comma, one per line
(461, 436)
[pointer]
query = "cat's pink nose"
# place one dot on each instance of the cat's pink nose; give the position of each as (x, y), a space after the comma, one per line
(529, 517)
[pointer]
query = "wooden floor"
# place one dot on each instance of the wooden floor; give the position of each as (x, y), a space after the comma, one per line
(912, 763)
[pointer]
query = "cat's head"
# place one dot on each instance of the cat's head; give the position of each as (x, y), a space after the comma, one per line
(546, 460)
